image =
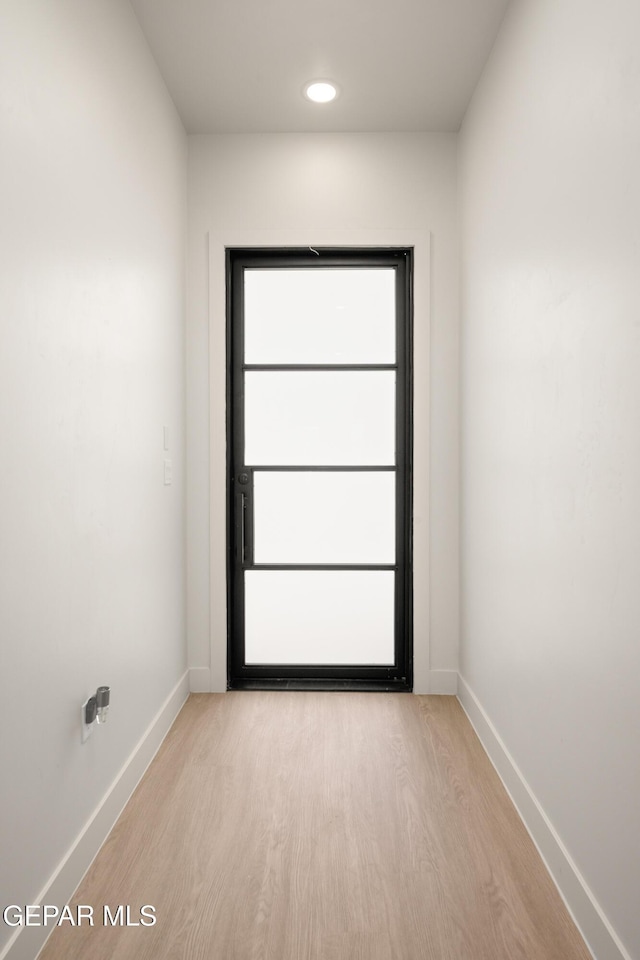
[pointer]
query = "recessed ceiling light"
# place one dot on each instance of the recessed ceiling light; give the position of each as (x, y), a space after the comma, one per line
(320, 91)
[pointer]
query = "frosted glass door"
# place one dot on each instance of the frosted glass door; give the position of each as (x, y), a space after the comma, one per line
(314, 417)
(317, 477)
(317, 616)
(320, 316)
(337, 517)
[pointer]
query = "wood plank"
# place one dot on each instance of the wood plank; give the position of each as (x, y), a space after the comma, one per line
(322, 826)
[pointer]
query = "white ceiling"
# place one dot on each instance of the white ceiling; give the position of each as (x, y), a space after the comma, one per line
(236, 66)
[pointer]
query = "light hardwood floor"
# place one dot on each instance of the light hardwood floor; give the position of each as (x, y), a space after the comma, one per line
(322, 826)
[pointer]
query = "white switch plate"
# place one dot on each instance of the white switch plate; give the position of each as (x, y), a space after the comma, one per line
(87, 728)
(168, 476)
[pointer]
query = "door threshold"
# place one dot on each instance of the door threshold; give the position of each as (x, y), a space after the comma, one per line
(286, 683)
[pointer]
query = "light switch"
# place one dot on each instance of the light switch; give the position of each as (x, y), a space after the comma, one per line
(167, 473)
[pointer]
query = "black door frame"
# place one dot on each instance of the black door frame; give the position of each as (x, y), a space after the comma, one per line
(239, 506)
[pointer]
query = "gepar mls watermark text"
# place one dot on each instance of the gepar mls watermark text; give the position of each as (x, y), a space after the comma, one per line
(82, 914)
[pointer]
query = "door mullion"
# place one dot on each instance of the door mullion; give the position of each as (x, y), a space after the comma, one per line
(318, 367)
(327, 468)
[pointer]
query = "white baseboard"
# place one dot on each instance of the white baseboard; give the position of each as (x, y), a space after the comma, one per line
(439, 682)
(200, 680)
(27, 942)
(583, 906)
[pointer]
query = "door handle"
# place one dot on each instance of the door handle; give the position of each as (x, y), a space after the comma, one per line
(245, 479)
(243, 527)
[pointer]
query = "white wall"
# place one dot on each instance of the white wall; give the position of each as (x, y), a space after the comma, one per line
(333, 188)
(92, 233)
(549, 161)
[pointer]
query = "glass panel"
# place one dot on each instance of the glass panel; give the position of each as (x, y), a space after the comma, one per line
(319, 617)
(318, 418)
(324, 517)
(320, 316)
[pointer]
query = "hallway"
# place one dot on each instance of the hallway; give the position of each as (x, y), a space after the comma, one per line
(499, 143)
(322, 826)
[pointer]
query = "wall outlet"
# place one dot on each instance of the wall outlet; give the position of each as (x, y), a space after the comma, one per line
(86, 728)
